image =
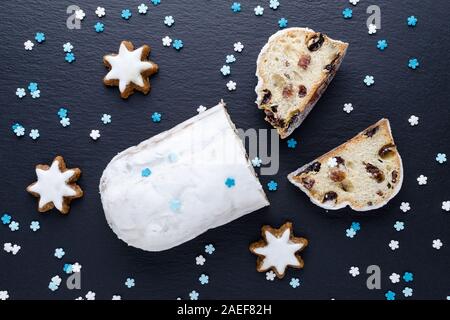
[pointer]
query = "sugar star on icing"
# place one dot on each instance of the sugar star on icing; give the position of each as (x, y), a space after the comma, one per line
(55, 186)
(278, 249)
(129, 69)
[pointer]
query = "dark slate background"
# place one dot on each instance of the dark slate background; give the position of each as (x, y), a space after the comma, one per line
(190, 78)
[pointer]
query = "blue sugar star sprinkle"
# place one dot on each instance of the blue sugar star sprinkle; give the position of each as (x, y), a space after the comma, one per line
(99, 27)
(236, 7)
(156, 117)
(272, 185)
(40, 37)
(390, 295)
(441, 158)
(295, 282)
(155, 2)
(175, 205)
(6, 218)
(14, 226)
(59, 253)
(382, 44)
(209, 248)
(408, 277)
(193, 295)
(230, 182)
(68, 268)
(347, 13)
(146, 172)
(35, 226)
(126, 14)
(283, 23)
(350, 233)
(129, 283)
(356, 226)
(412, 21)
(70, 57)
(292, 143)
(204, 279)
(32, 86)
(177, 44)
(399, 225)
(413, 63)
(62, 113)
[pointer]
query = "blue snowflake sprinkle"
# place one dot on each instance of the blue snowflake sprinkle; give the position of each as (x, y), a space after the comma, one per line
(390, 295)
(347, 13)
(156, 117)
(399, 225)
(295, 282)
(350, 233)
(14, 226)
(155, 2)
(204, 279)
(70, 57)
(146, 172)
(230, 182)
(32, 86)
(35, 226)
(413, 63)
(106, 118)
(382, 44)
(177, 44)
(129, 283)
(53, 286)
(126, 14)
(283, 23)
(59, 253)
(272, 185)
(68, 268)
(274, 4)
(193, 295)
(40, 37)
(62, 113)
(441, 158)
(408, 277)
(230, 58)
(236, 7)
(6, 218)
(356, 226)
(175, 205)
(209, 248)
(412, 21)
(99, 27)
(292, 143)
(369, 80)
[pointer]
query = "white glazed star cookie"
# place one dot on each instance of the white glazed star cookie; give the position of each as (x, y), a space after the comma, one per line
(55, 186)
(129, 69)
(278, 249)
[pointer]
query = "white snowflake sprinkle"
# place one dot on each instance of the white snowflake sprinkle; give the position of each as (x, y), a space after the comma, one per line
(116, 297)
(95, 134)
(372, 29)
(231, 85)
(332, 162)
(90, 295)
(225, 70)
(238, 47)
(166, 41)
(201, 109)
(394, 245)
(270, 275)
(67, 47)
(437, 244)
(394, 277)
(100, 12)
(34, 134)
(76, 267)
(28, 45)
(405, 207)
(4, 295)
(65, 122)
(413, 120)
(256, 162)
(354, 271)
(142, 8)
(200, 260)
(169, 21)
(79, 14)
(258, 10)
(274, 4)
(354, 2)
(348, 107)
(446, 205)
(422, 180)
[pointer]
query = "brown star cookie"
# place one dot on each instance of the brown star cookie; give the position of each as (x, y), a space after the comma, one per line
(277, 250)
(55, 186)
(129, 69)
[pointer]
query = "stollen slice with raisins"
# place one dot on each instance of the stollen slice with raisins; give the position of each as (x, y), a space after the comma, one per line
(363, 173)
(294, 68)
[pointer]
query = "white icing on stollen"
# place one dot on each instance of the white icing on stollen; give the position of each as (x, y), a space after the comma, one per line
(127, 67)
(279, 252)
(190, 164)
(52, 185)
